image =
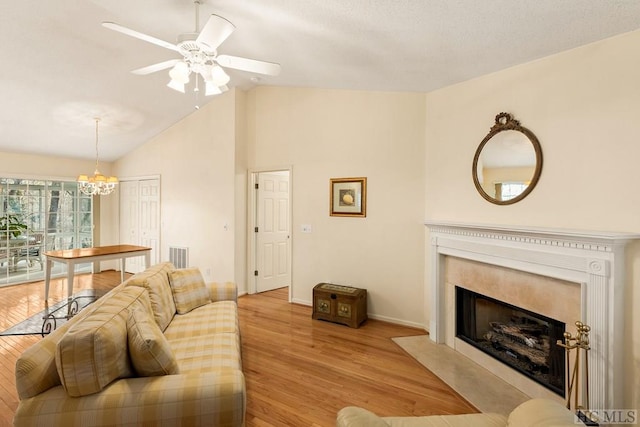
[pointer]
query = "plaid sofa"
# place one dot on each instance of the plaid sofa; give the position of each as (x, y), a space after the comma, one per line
(160, 349)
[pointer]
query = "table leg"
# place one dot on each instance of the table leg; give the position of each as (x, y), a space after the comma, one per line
(122, 269)
(47, 279)
(71, 267)
(147, 259)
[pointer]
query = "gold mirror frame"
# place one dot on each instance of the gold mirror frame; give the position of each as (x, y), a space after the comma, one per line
(504, 122)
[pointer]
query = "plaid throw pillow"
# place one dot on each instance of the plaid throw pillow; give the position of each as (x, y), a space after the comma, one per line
(189, 289)
(93, 352)
(149, 350)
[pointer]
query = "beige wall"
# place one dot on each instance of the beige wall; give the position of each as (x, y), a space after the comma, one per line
(195, 159)
(325, 134)
(241, 167)
(583, 107)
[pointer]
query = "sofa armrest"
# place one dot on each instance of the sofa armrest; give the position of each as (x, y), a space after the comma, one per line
(223, 291)
(212, 398)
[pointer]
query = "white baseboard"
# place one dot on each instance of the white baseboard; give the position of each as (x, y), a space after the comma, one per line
(376, 317)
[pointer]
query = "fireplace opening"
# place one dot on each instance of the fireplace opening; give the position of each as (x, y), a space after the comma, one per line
(519, 338)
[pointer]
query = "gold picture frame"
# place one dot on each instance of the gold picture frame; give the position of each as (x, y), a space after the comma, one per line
(348, 197)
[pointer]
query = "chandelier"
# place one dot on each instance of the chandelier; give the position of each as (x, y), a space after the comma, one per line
(97, 184)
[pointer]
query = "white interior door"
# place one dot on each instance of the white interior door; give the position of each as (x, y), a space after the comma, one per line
(140, 219)
(150, 218)
(273, 255)
(129, 212)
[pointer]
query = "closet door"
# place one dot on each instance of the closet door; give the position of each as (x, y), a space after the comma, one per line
(140, 219)
(149, 214)
(129, 213)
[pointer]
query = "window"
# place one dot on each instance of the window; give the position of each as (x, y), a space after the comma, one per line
(36, 216)
(509, 190)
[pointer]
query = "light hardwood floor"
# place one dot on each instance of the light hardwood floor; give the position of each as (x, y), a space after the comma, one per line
(299, 371)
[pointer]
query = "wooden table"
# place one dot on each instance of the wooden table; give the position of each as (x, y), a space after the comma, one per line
(71, 257)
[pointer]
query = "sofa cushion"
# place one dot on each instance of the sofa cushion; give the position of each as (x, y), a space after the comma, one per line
(207, 339)
(93, 352)
(149, 350)
(189, 289)
(215, 318)
(208, 354)
(156, 280)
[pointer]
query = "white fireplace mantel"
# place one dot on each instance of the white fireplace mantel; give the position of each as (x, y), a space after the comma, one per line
(594, 260)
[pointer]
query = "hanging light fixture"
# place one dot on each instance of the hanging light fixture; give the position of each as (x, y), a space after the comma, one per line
(97, 184)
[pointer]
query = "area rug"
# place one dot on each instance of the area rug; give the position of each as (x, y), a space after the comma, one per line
(477, 385)
(56, 315)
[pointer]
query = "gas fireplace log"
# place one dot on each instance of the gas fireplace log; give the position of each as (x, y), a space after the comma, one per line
(533, 355)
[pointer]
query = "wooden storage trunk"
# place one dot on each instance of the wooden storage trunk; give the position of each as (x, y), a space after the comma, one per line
(340, 304)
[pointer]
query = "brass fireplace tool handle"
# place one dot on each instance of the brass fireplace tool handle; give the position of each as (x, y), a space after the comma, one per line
(580, 341)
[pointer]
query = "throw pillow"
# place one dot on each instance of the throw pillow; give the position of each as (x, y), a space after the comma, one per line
(149, 350)
(189, 289)
(156, 280)
(93, 352)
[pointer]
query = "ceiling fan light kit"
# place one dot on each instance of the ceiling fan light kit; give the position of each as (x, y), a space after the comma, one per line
(200, 56)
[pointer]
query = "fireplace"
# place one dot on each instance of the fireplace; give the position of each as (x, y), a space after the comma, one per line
(519, 338)
(593, 262)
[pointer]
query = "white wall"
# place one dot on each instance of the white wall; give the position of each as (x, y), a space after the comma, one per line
(583, 107)
(327, 134)
(195, 159)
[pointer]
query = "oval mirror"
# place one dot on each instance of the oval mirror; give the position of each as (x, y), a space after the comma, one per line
(508, 162)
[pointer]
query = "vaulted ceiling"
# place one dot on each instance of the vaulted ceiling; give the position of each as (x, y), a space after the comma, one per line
(61, 67)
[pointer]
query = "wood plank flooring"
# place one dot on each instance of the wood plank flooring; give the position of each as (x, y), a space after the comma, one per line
(298, 371)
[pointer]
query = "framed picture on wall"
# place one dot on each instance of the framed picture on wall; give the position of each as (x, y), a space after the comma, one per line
(348, 197)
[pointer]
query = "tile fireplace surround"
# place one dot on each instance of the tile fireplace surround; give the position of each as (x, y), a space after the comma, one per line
(592, 260)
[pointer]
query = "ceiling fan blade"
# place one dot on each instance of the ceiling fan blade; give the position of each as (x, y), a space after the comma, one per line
(129, 32)
(250, 65)
(155, 67)
(215, 31)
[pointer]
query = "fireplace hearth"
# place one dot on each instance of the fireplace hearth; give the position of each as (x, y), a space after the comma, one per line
(519, 338)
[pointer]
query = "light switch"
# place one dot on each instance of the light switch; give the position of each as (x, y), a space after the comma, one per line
(306, 228)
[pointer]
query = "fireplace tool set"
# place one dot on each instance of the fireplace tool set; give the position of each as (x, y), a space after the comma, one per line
(578, 343)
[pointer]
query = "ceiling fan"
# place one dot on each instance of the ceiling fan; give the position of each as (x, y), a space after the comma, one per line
(200, 55)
